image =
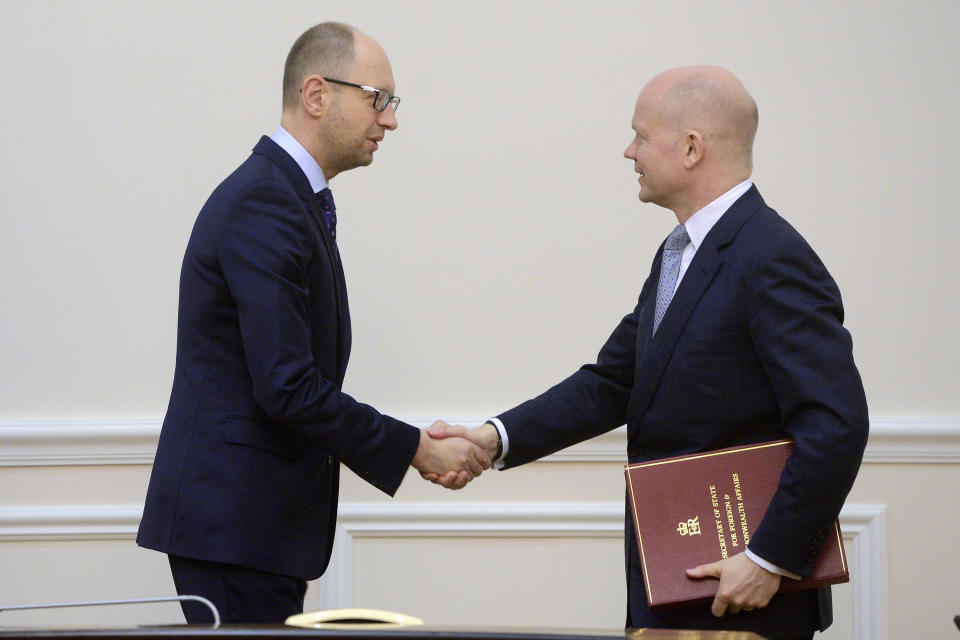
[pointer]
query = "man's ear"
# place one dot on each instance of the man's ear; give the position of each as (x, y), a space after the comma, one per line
(314, 95)
(692, 149)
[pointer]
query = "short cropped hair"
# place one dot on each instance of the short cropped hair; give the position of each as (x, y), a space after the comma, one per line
(325, 49)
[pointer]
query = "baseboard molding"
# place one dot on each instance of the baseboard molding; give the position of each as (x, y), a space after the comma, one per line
(134, 441)
(864, 527)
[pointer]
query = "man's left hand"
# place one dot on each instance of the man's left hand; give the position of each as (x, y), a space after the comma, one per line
(744, 585)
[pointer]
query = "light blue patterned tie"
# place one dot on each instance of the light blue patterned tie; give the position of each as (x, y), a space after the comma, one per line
(669, 268)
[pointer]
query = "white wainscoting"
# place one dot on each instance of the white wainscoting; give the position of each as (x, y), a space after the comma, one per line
(58, 443)
(70, 522)
(475, 520)
(134, 441)
(864, 527)
(864, 531)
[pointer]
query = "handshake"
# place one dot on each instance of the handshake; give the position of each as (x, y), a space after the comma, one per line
(452, 455)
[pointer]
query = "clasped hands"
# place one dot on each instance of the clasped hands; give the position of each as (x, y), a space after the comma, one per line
(452, 455)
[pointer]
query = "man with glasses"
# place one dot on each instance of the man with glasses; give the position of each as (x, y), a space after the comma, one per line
(243, 494)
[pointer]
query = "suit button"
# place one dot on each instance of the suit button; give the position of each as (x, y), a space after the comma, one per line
(330, 460)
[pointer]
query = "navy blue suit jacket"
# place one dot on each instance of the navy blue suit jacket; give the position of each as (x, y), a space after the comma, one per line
(247, 467)
(751, 348)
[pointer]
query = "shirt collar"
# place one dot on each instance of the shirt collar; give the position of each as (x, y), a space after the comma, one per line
(700, 223)
(302, 157)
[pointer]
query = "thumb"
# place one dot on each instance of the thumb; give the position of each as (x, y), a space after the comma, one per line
(710, 570)
(438, 430)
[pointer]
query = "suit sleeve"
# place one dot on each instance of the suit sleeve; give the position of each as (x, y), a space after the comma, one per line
(265, 247)
(795, 318)
(590, 402)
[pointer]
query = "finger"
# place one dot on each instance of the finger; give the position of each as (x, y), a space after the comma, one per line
(441, 429)
(482, 457)
(438, 429)
(463, 479)
(474, 466)
(448, 479)
(456, 480)
(710, 570)
(719, 607)
(431, 477)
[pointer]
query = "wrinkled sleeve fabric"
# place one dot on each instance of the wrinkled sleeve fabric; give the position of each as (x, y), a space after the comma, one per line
(590, 402)
(795, 317)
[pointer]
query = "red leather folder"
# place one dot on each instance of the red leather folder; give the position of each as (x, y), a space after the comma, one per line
(699, 508)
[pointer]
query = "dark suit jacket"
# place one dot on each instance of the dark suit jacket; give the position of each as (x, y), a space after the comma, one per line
(752, 348)
(247, 467)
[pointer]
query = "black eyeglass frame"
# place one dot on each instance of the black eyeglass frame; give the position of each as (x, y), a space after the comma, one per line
(377, 100)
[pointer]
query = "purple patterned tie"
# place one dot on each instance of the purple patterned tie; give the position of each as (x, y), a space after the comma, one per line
(329, 210)
(669, 269)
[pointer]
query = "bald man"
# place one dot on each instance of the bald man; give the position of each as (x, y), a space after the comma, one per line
(243, 494)
(737, 337)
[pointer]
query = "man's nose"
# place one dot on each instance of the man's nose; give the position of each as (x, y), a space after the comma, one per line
(388, 118)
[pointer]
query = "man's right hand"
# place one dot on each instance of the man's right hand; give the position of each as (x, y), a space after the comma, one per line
(449, 461)
(485, 436)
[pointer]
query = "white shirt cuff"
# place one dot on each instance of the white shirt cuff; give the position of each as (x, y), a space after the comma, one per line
(505, 441)
(772, 568)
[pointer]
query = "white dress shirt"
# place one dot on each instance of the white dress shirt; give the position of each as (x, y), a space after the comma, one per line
(307, 164)
(699, 224)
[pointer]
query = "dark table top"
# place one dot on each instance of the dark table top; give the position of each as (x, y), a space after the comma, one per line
(258, 632)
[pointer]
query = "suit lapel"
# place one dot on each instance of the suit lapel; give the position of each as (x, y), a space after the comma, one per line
(301, 186)
(659, 347)
(654, 352)
(649, 296)
(344, 335)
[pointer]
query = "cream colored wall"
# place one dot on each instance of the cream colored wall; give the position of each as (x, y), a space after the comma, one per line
(490, 249)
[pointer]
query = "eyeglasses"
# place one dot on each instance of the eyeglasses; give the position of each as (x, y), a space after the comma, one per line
(381, 98)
